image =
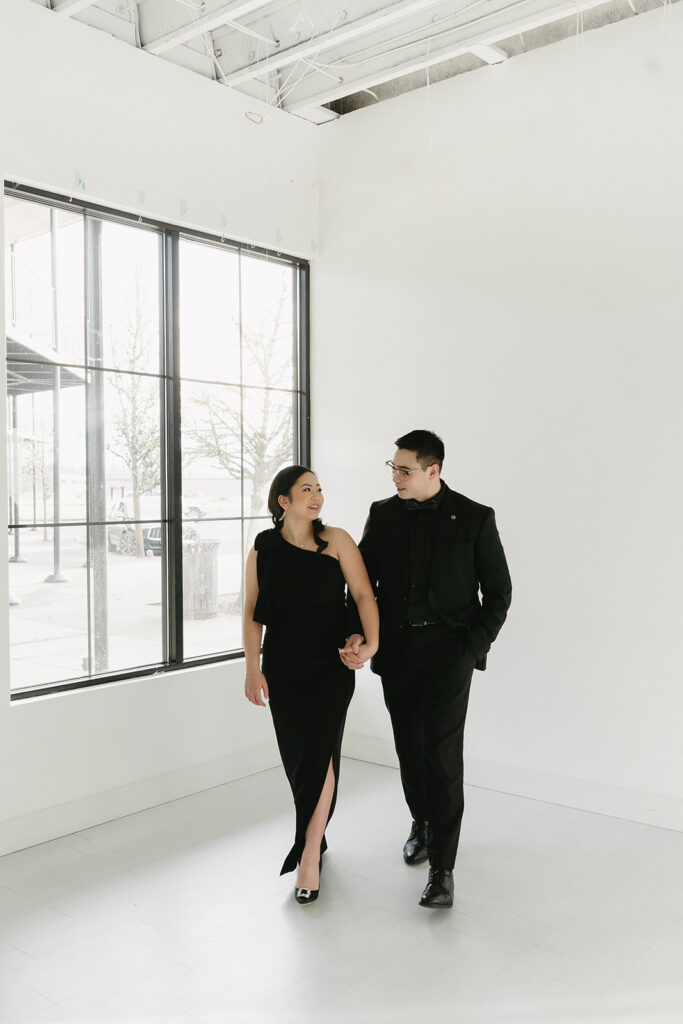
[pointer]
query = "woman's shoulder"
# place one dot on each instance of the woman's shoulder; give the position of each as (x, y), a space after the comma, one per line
(266, 539)
(337, 537)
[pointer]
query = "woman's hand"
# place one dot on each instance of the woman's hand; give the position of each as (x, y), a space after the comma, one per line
(256, 688)
(356, 651)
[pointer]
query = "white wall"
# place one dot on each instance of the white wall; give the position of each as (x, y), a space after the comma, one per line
(501, 261)
(75, 101)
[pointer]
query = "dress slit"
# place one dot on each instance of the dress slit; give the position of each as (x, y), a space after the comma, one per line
(305, 800)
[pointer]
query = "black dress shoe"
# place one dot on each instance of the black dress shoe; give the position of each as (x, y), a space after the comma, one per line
(305, 896)
(415, 848)
(439, 889)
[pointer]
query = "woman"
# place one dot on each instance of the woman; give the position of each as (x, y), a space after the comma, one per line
(295, 586)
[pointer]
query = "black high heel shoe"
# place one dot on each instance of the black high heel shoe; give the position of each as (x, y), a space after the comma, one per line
(303, 895)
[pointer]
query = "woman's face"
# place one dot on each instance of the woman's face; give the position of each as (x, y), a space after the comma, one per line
(305, 498)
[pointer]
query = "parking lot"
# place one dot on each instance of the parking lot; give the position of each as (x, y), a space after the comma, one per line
(50, 625)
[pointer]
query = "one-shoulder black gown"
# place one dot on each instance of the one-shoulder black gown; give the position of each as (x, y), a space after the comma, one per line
(301, 602)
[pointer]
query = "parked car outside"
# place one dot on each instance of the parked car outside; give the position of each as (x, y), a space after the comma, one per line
(121, 534)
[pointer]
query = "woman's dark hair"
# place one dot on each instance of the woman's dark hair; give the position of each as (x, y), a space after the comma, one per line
(282, 485)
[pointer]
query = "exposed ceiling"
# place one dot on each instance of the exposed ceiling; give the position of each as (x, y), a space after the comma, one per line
(320, 59)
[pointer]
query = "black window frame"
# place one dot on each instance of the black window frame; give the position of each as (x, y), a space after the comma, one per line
(171, 235)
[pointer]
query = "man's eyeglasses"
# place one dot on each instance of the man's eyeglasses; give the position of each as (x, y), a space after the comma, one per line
(402, 474)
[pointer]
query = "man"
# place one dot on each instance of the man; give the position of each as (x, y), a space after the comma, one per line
(430, 553)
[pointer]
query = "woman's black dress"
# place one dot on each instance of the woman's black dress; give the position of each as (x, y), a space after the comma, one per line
(301, 602)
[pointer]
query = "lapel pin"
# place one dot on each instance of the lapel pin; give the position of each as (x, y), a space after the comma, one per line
(452, 517)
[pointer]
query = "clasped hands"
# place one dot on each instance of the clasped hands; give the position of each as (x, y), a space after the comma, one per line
(356, 652)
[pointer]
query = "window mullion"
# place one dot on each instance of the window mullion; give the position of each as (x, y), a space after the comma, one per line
(98, 610)
(172, 491)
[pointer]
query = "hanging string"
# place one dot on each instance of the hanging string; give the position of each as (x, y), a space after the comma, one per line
(667, 29)
(430, 133)
(580, 49)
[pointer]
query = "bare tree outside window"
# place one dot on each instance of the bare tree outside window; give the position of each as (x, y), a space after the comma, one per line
(251, 443)
(37, 465)
(135, 433)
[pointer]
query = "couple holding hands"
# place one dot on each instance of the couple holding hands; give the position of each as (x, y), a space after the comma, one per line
(423, 595)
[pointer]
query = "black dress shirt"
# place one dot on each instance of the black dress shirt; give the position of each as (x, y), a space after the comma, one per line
(423, 524)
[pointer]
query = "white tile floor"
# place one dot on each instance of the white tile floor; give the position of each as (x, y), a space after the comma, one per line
(178, 915)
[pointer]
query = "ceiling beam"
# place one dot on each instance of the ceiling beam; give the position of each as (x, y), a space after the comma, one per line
(71, 6)
(192, 29)
(488, 37)
(336, 37)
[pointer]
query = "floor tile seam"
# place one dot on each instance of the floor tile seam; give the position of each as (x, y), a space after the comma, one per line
(361, 983)
(591, 950)
(374, 906)
(568, 919)
(288, 1019)
(31, 988)
(569, 960)
(604, 988)
(492, 900)
(521, 888)
(390, 954)
(426, 977)
(473, 984)
(14, 892)
(22, 951)
(642, 826)
(38, 891)
(523, 920)
(579, 988)
(660, 952)
(664, 952)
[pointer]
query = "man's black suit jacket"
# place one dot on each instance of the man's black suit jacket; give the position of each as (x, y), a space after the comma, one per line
(469, 582)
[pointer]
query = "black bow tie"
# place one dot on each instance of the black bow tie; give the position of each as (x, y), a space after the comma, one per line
(419, 506)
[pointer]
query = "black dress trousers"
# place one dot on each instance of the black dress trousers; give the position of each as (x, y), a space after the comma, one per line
(426, 692)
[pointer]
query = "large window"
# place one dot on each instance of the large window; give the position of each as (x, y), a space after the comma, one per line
(156, 381)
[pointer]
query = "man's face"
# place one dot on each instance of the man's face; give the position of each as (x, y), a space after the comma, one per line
(410, 479)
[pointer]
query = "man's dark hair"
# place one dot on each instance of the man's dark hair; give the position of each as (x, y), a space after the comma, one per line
(428, 447)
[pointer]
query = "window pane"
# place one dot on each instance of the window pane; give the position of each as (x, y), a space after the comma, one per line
(209, 313)
(252, 527)
(70, 287)
(212, 463)
(43, 281)
(29, 302)
(268, 443)
(48, 606)
(268, 339)
(125, 444)
(46, 443)
(130, 298)
(126, 595)
(212, 587)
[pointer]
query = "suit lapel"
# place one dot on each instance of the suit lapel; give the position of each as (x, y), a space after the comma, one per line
(401, 542)
(447, 519)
